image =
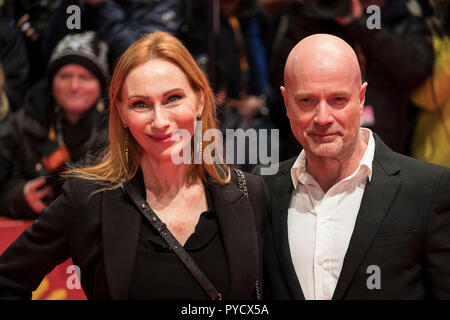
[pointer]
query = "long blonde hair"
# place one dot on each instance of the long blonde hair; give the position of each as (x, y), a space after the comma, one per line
(113, 168)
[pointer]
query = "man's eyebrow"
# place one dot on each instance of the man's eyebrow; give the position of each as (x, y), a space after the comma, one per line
(340, 93)
(164, 94)
(302, 95)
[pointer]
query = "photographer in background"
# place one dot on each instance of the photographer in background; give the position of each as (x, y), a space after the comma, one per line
(29, 19)
(62, 120)
(394, 59)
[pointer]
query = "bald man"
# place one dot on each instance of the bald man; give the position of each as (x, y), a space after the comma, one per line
(350, 218)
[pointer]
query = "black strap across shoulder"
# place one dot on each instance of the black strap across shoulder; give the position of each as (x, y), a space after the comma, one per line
(143, 207)
(171, 241)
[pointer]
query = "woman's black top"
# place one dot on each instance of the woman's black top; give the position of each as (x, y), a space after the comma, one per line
(159, 274)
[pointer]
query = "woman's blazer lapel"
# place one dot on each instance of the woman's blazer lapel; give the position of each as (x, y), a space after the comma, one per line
(121, 224)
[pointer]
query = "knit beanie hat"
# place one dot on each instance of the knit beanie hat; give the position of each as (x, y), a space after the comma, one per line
(84, 49)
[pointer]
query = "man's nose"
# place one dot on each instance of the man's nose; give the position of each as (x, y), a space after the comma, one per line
(323, 114)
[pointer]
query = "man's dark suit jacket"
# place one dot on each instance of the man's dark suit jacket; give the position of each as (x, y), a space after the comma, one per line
(403, 227)
(100, 232)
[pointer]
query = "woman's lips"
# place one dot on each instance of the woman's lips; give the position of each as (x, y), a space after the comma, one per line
(161, 138)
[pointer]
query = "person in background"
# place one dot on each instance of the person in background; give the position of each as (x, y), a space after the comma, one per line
(31, 18)
(431, 139)
(240, 76)
(118, 23)
(137, 224)
(16, 64)
(62, 120)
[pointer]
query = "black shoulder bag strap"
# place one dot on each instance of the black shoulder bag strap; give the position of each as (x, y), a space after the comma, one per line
(173, 243)
(242, 184)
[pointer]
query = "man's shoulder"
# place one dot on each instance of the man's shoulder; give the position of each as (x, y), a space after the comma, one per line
(284, 168)
(410, 169)
(384, 154)
(420, 170)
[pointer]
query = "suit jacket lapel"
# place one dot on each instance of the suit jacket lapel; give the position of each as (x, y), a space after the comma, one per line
(280, 204)
(238, 232)
(378, 196)
(120, 228)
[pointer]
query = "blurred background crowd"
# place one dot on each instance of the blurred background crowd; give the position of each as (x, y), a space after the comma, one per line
(54, 78)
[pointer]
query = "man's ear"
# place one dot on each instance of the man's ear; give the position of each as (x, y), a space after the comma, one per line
(285, 99)
(362, 96)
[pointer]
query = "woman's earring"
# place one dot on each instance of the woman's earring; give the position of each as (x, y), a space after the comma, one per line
(126, 146)
(199, 143)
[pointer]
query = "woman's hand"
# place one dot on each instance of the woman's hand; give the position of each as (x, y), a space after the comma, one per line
(34, 191)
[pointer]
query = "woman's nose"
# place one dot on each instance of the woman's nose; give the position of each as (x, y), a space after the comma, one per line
(160, 120)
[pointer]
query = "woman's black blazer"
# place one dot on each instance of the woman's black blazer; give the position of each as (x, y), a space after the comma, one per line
(100, 233)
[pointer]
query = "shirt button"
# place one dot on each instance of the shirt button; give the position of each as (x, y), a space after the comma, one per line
(320, 261)
(323, 220)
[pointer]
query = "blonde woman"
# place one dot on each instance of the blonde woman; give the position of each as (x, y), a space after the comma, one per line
(124, 219)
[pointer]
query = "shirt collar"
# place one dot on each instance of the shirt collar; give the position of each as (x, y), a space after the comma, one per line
(299, 173)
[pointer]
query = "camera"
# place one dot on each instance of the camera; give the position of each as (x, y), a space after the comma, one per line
(328, 9)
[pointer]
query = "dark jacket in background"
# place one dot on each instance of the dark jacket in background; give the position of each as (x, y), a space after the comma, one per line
(15, 63)
(7, 149)
(30, 127)
(398, 57)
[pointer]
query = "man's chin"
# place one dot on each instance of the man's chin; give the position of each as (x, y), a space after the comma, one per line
(328, 150)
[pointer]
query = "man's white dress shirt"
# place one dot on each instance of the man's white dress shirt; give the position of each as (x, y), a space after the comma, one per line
(320, 224)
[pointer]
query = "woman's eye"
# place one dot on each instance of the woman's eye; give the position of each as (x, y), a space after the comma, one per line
(173, 98)
(139, 105)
